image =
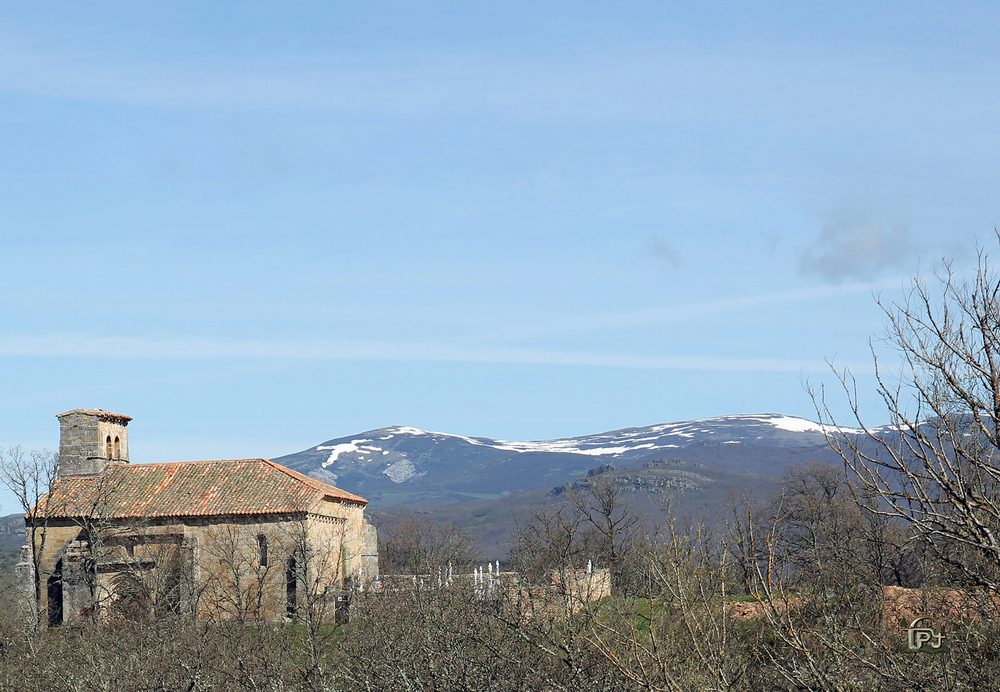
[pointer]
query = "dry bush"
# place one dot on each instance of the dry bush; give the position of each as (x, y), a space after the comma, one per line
(449, 639)
(414, 544)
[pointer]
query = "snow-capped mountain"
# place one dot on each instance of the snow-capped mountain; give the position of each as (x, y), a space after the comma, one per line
(404, 465)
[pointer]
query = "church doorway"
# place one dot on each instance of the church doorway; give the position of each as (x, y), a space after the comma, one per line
(54, 593)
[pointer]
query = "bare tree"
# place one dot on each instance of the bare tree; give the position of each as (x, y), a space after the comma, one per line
(890, 556)
(738, 541)
(315, 574)
(548, 541)
(602, 502)
(682, 636)
(29, 476)
(820, 528)
(245, 560)
(416, 545)
(937, 465)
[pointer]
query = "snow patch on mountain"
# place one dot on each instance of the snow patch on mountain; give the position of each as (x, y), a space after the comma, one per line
(405, 430)
(346, 448)
(590, 445)
(630, 441)
(616, 442)
(402, 471)
(566, 447)
(793, 424)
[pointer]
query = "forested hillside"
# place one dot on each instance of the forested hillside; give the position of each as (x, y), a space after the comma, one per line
(11, 539)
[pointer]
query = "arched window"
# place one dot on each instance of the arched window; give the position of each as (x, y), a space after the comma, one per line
(118, 448)
(110, 449)
(262, 550)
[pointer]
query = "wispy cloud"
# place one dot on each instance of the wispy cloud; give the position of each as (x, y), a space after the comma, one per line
(123, 347)
(635, 81)
(847, 250)
(666, 314)
(417, 84)
(664, 251)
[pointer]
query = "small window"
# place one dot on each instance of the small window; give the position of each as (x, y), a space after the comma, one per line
(130, 549)
(262, 550)
(109, 448)
(118, 449)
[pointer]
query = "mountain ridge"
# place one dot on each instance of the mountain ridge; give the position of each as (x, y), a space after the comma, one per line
(403, 465)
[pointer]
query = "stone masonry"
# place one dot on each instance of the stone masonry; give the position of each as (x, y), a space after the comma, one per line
(90, 440)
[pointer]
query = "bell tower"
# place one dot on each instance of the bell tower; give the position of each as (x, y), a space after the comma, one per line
(90, 441)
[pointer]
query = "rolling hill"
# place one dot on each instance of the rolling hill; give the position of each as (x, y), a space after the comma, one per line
(401, 465)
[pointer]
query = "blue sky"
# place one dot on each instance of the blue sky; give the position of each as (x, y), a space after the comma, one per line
(257, 226)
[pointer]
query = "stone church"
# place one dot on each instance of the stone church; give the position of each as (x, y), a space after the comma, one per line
(227, 539)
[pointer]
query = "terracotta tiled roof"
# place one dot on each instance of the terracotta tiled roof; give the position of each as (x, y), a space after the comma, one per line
(189, 488)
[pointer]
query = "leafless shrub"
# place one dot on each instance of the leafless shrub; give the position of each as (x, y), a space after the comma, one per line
(416, 545)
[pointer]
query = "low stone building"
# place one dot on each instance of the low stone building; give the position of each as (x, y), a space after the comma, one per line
(241, 538)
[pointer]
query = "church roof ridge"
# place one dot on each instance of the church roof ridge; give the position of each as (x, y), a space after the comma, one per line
(322, 486)
(316, 483)
(212, 487)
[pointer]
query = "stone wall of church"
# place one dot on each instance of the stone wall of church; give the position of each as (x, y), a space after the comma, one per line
(277, 569)
(345, 524)
(50, 544)
(270, 567)
(244, 569)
